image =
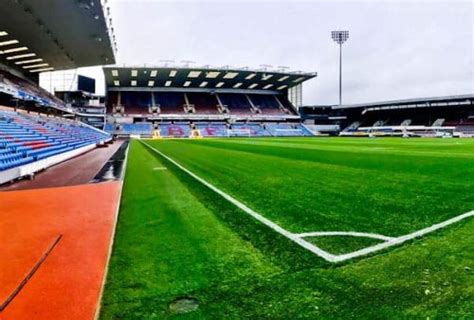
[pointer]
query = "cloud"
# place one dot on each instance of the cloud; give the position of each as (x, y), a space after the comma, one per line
(397, 49)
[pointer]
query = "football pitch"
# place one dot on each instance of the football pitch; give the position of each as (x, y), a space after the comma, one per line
(281, 228)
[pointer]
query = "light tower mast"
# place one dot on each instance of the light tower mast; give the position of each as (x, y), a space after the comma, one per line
(340, 37)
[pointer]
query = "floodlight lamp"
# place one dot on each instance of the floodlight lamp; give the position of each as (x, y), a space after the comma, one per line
(340, 36)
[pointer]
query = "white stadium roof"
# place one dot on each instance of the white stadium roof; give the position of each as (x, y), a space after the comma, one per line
(38, 35)
(121, 78)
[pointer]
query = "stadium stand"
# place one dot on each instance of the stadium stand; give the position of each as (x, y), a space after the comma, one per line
(287, 105)
(176, 130)
(465, 126)
(170, 102)
(87, 106)
(109, 127)
(420, 117)
(137, 128)
(436, 123)
(248, 129)
(236, 103)
(267, 104)
(144, 129)
(287, 130)
(26, 138)
(136, 102)
(321, 129)
(25, 90)
(111, 102)
(212, 129)
(203, 103)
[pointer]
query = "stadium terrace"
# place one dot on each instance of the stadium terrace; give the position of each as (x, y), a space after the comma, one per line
(450, 116)
(183, 102)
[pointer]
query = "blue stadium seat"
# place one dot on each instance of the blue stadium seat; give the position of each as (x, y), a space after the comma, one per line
(25, 138)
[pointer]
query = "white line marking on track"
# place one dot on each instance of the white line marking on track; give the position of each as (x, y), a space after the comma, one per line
(297, 238)
(345, 233)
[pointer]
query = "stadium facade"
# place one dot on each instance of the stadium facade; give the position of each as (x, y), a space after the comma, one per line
(424, 117)
(209, 102)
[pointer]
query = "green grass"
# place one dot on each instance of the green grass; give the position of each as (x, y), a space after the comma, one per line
(177, 238)
(342, 244)
(328, 185)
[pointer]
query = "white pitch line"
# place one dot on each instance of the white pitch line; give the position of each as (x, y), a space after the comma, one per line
(345, 233)
(305, 244)
(159, 168)
(124, 163)
(399, 240)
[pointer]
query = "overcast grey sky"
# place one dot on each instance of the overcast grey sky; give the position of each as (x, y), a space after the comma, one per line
(397, 49)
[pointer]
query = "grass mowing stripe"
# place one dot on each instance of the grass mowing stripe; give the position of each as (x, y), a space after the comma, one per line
(153, 259)
(307, 245)
(276, 248)
(169, 244)
(304, 196)
(298, 240)
(382, 148)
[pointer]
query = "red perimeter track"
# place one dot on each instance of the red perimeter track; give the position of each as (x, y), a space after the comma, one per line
(68, 281)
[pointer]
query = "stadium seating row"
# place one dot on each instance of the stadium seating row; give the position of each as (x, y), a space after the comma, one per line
(27, 91)
(211, 129)
(287, 129)
(26, 138)
(199, 103)
(460, 123)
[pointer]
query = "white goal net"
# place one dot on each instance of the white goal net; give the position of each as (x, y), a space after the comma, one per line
(288, 132)
(239, 133)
